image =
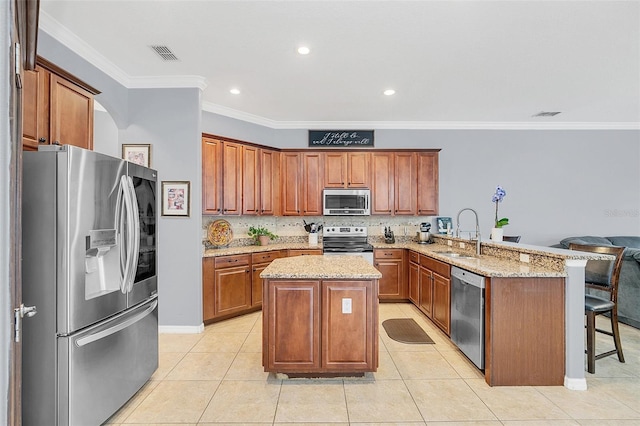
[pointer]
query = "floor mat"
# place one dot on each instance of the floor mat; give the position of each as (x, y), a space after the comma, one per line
(406, 330)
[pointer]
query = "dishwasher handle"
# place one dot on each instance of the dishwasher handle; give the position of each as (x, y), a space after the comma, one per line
(468, 277)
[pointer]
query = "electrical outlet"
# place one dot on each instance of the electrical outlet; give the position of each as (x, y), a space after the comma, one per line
(524, 257)
(346, 306)
(462, 245)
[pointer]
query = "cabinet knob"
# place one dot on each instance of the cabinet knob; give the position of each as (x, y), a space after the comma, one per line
(42, 140)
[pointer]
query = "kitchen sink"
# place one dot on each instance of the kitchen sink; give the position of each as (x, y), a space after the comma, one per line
(455, 255)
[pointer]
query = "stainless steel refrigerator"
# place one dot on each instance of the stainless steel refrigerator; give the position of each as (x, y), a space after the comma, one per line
(89, 267)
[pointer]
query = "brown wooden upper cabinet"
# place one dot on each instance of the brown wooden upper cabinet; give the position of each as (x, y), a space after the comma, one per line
(239, 179)
(302, 183)
(57, 108)
(404, 183)
(346, 169)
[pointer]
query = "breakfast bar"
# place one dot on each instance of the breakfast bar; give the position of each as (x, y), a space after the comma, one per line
(320, 316)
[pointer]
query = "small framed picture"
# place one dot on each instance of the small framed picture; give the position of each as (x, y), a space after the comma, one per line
(138, 154)
(176, 198)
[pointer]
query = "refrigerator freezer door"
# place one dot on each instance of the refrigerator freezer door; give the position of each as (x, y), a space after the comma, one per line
(101, 368)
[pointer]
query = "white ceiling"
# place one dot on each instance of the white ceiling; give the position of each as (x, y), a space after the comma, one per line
(453, 64)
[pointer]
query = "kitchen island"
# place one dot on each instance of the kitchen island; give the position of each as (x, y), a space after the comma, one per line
(320, 316)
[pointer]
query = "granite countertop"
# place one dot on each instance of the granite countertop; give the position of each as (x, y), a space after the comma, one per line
(321, 267)
(499, 260)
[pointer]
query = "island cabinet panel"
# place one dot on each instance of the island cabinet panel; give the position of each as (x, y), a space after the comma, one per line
(259, 261)
(525, 332)
(348, 341)
(390, 262)
(292, 324)
(319, 327)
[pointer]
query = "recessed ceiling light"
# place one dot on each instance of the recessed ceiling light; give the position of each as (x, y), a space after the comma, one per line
(304, 50)
(389, 92)
(234, 91)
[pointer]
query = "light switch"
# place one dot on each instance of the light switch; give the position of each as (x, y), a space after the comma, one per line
(346, 306)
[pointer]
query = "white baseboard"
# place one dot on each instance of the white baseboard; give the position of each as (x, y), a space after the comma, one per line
(575, 384)
(181, 329)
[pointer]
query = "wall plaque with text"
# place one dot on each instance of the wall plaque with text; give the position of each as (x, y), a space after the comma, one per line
(341, 138)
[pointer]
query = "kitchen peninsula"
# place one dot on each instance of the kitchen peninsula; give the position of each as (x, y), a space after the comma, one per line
(320, 316)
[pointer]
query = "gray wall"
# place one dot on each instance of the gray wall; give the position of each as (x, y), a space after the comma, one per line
(559, 183)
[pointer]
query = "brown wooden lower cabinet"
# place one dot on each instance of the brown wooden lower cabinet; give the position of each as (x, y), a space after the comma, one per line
(390, 262)
(434, 285)
(305, 252)
(525, 332)
(319, 327)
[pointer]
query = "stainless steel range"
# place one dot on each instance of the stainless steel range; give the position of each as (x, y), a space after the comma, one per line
(347, 240)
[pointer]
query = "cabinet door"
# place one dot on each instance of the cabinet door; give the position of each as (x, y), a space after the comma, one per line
(312, 184)
(35, 108)
(293, 325)
(291, 183)
(358, 170)
(335, 170)
(231, 178)
(211, 176)
(256, 284)
(405, 183)
(428, 183)
(208, 289)
(382, 183)
(347, 325)
(70, 114)
(442, 302)
(232, 290)
(390, 284)
(250, 180)
(269, 182)
(426, 291)
(414, 282)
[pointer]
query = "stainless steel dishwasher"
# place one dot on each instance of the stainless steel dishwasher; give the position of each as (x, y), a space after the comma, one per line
(467, 314)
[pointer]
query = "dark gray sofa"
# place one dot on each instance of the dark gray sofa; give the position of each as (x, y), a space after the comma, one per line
(629, 286)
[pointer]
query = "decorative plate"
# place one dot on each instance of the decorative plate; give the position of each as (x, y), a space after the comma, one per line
(220, 233)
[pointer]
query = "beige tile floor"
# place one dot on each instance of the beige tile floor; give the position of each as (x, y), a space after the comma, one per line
(216, 378)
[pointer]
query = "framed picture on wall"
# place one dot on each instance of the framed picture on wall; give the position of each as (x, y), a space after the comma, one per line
(137, 153)
(176, 197)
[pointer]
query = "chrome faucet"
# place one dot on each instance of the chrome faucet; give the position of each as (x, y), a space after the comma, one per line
(477, 228)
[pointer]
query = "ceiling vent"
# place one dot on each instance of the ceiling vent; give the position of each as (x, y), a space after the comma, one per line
(165, 53)
(546, 114)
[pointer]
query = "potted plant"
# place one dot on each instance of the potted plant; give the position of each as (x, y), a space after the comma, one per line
(261, 235)
(497, 232)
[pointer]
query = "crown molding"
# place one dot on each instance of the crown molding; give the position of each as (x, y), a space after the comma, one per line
(56, 30)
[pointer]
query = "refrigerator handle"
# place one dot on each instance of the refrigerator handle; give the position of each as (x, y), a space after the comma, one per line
(120, 231)
(134, 230)
(120, 326)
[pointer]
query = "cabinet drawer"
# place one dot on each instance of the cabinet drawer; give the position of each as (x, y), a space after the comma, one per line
(304, 252)
(266, 257)
(414, 257)
(440, 268)
(227, 261)
(388, 254)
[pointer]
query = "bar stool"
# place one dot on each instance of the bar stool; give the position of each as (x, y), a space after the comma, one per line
(603, 278)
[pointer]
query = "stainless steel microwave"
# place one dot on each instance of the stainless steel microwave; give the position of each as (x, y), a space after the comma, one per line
(346, 202)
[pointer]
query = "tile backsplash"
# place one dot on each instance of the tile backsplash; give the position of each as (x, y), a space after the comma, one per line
(291, 228)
